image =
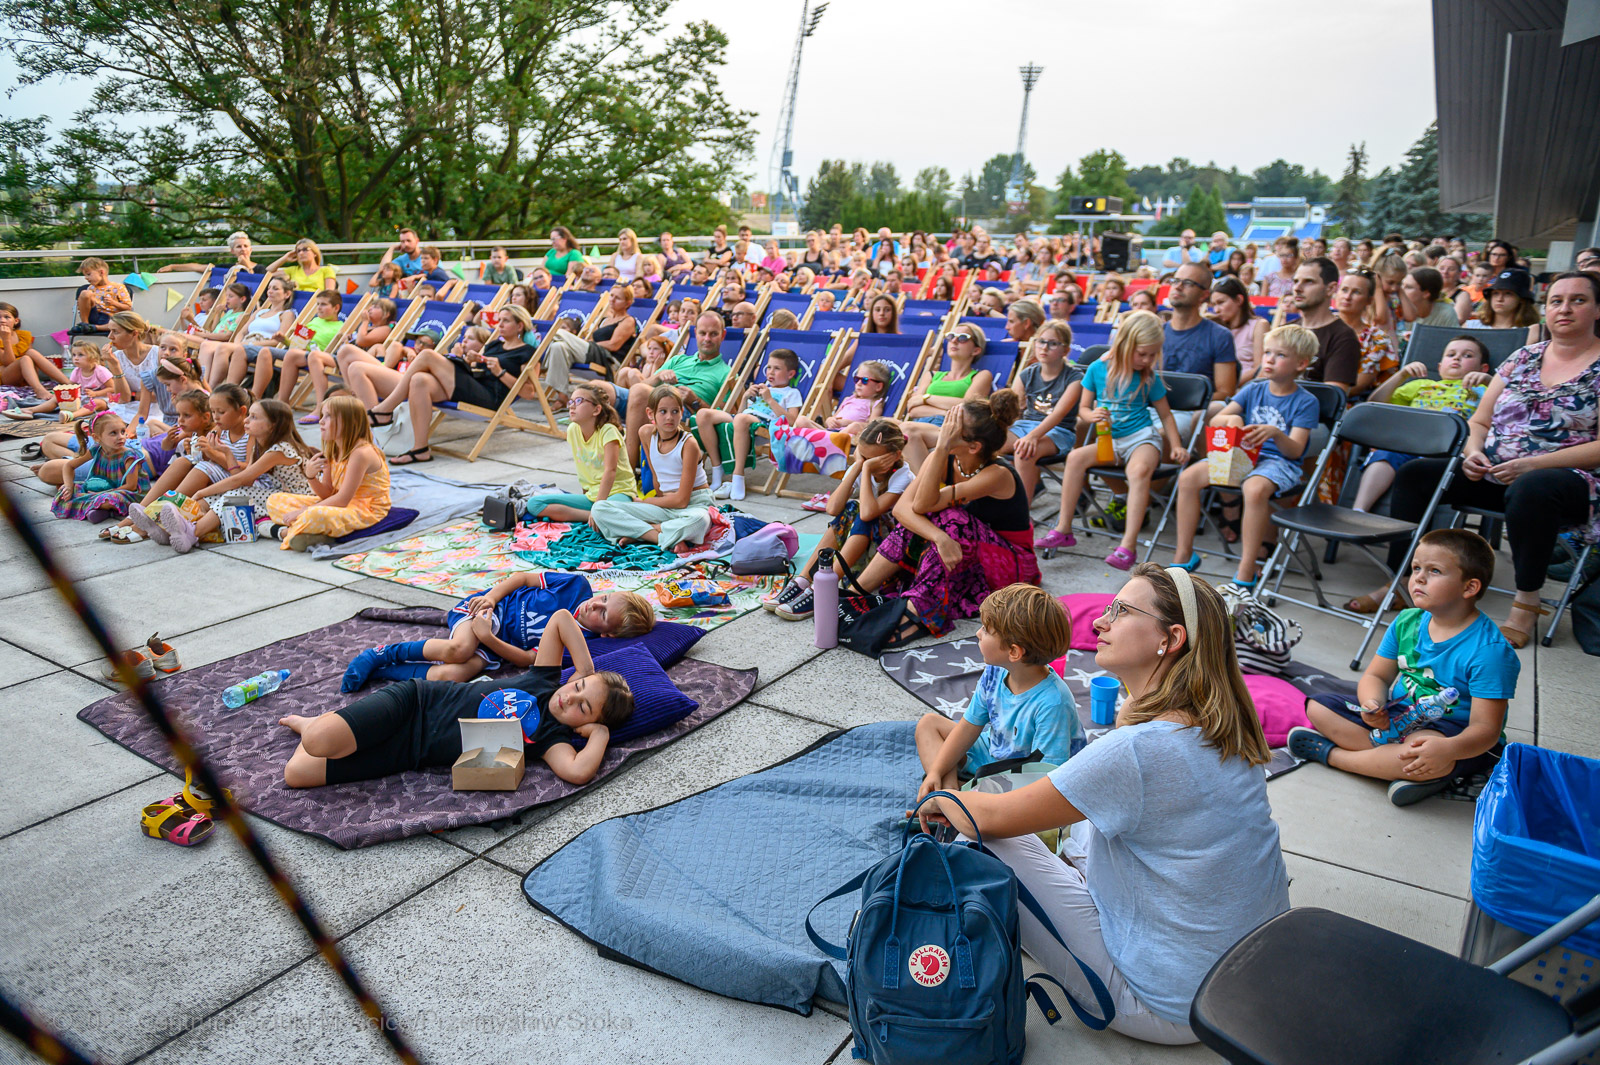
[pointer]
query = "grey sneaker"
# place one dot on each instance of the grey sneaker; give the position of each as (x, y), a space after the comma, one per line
(799, 608)
(1309, 745)
(1405, 793)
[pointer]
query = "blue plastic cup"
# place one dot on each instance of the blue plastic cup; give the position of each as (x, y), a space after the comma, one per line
(1103, 693)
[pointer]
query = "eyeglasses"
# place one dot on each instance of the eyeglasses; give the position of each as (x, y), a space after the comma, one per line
(959, 338)
(1116, 608)
(1179, 282)
(578, 400)
(1049, 344)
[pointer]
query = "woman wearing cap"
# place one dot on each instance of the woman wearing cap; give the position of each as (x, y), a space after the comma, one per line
(939, 391)
(1508, 304)
(1173, 855)
(482, 381)
(1533, 450)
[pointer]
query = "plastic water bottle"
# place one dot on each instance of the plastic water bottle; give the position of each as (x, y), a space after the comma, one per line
(825, 601)
(1426, 709)
(254, 688)
(142, 432)
(1104, 453)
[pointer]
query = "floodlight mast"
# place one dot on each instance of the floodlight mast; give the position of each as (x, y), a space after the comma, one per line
(786, 186)
(1030, 75)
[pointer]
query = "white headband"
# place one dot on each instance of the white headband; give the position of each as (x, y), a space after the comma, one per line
(1185, 584)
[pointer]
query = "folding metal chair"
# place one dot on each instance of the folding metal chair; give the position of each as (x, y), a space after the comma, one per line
(1574, 584)
(1377, 426)
(1428, 342)
(1185, 392)
(1299, 990)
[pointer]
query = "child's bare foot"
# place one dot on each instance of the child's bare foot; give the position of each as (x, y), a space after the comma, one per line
(295, 723)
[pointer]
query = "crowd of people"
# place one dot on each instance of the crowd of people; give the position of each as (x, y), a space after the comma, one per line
(933, 505)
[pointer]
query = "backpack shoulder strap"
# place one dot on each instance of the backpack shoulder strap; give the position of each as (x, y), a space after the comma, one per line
(1102, 997)
(830, 949)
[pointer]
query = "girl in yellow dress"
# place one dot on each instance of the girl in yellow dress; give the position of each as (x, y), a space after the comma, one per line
(350, 479)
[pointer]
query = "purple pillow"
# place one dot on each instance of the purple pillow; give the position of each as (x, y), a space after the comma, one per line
(668, 642)
(657, 702)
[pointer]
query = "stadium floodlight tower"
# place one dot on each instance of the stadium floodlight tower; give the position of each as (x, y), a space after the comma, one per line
(785, 185)
(1016, 191)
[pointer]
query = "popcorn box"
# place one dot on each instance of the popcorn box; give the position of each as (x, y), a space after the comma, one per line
(67, 397)
(1230, 463)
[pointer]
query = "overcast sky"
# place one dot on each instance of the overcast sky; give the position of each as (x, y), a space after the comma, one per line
(1238, 82)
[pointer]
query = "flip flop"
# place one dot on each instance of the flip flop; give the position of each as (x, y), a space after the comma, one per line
(31, 450)
(186, 800)
(412, 457)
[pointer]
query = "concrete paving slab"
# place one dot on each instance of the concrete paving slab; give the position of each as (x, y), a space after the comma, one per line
(842, 689)
(126, 915)
(1425, 916)
(1563, 664)
(762, 641)
(1348, 821)
(17, 665)
(1070, 1041)
(743, 740)
(269, 555)
(397, 594)
(229, 638)
(1569, 720)
(569, 1006)
(51, 761)
(175, 596)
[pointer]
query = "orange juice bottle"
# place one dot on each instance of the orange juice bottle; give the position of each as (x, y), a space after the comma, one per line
(1103, 452)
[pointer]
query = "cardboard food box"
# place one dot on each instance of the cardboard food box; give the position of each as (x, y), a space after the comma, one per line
(491, 755)
(238, 516)
(1230, 463)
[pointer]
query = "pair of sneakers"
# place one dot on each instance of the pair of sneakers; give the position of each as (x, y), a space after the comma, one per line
(169, 528)
(157, 656)
(793, 602)
(1309, 745)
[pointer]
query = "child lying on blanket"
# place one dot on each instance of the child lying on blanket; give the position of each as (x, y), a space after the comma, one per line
(503, 625)
(1021, 707)
(412, 725)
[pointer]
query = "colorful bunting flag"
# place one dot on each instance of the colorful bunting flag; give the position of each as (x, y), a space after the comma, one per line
(64, 338)
(174, 297)
(137, 281)
(350, 288)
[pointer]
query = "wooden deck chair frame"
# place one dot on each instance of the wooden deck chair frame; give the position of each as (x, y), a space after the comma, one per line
(842, 341)
(505, 415)
(348, 326)
(192, 343)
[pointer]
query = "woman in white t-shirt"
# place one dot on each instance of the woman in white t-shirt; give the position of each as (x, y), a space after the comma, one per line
(1173, 855)
(626, 257)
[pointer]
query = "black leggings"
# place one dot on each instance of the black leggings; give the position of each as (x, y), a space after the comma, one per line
(1537, 506)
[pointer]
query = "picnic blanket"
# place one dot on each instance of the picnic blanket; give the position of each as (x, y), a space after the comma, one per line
(466, 558)
(247, 748)
(944, 675)
(713, 889)
(432, 501)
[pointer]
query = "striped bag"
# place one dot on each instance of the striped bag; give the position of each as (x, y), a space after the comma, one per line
(1262, 637)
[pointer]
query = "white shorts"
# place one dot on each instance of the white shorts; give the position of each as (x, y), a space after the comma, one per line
(1125, 446)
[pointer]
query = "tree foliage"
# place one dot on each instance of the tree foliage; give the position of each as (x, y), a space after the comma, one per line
(1406, 200)
(1100, 173)
(1202, 212)
(344, 119)
(1352, 185)
(1283, 178)
(933, 181)
(854, 194)
(1180, 174)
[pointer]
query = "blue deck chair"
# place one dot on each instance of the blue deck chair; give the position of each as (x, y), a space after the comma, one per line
(689, 292)
(814, 351)
(528, 415)
(796, 302)
(485, 295)
(1089, 334)
(937, 309)
(993, 328)
(585, 303)
(902, 353)
(832, 321)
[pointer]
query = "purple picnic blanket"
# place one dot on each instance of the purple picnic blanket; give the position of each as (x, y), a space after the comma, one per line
(247, 748)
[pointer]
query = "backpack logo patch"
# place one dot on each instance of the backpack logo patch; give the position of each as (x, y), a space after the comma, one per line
(930, 965)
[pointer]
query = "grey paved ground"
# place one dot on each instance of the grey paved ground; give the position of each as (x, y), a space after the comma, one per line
(145, 952)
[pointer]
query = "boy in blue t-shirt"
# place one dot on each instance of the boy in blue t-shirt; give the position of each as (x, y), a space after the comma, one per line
(1022, 709)
(502, 626)
(1277, 415)
(1444, 642)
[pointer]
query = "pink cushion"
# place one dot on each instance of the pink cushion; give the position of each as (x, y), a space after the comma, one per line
(1280, 705)
(1085, 608)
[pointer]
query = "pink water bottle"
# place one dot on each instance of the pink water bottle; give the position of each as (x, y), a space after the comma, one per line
(825, 601)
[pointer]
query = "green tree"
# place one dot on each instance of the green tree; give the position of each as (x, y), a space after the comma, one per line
(1352, 189)
(881, 178)
(827, 193)
(989, 195)
(934, 181)
(1406, 200)
(1100, 173)
(1202, 212)
(345, 118)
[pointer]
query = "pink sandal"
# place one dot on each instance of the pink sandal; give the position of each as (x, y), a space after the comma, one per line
(1055, 538)
(1122, 559)
(178, 825)
(818, 502)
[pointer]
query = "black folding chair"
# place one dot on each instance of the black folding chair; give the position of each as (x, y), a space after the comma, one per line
(1428, 342)
(1186, 392)
(1330, 408)
(1379, 426)
(1312, 987)
(1575, 583)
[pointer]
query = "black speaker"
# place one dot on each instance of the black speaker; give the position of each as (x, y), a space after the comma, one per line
(1095, 204)
(1115, 250)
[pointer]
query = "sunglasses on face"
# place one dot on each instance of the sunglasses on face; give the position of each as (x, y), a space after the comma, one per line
(958, 338)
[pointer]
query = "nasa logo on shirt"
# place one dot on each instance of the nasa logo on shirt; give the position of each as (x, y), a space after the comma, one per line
(930, 965)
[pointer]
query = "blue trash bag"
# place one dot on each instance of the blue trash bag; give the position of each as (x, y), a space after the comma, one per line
(1536, 841)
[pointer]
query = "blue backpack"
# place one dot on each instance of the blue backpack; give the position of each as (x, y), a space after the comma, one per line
(934, 961)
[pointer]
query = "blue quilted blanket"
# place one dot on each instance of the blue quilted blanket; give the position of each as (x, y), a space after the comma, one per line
(714, 889)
